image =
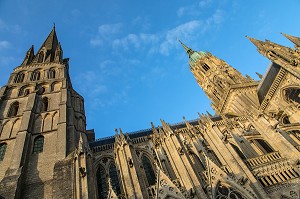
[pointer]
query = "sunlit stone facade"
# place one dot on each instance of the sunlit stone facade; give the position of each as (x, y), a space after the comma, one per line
(249, 149)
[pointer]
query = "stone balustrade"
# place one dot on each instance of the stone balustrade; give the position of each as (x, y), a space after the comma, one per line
(263, 159)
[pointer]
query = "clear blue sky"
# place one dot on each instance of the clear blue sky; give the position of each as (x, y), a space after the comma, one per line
(124, 57)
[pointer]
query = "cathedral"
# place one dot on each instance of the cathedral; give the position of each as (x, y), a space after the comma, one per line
(249, 150)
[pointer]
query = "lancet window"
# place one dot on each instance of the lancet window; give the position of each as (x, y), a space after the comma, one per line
(45, 104)
(148, 170)
(102, 183)
(114, 180)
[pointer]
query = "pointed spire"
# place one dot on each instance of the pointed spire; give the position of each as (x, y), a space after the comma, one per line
(29, 56)
(256, 42)
(259, 75)
(188, 50)
(208, 113)
(188, 125)
(154, 130)
(48, 49)
(295, 40)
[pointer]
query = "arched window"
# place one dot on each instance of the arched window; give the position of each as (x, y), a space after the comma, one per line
(35, 75)
(38, 144)
(238, 151)
(41, 57)
(13, 110)
(263, 146)
(51, 73)
(114, 180)
(149, 171)
(45, 104)
(19, 77)
(102, 183)
(2, 150)
(225, 192)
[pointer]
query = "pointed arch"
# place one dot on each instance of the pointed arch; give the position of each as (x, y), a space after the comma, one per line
(41, 57)
(13, 109)
(35, 75)
(51, 73)
(47, 122)
(19, 77)
(114, 180)
(151, 178)
(15, 128)
(45, 104)
(102, 184)
(23, 91)
(38, 144)
(54, 120)
(6, 130)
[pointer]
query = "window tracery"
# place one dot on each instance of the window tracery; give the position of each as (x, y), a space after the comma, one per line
(102, 183)
(148, 170)
(225, 192)
(114, 180)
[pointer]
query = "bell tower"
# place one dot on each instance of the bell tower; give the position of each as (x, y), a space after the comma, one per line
(214, 76)
(43, 142)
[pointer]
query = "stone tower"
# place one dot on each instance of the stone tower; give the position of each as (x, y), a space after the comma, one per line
(44, 150)
(218, 80)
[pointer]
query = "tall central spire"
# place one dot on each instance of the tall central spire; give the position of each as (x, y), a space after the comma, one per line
(188, 50)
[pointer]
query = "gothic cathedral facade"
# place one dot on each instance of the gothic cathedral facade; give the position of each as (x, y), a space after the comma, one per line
(248, 150)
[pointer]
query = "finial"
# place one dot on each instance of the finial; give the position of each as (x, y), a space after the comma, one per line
(259, 75)
(53, 25)
(116, 130)
(183, 118)
(208, 113)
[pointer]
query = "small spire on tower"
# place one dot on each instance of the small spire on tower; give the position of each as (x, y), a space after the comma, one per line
(188, 50)
(257, 43)
(295, 40)
(259, 75)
